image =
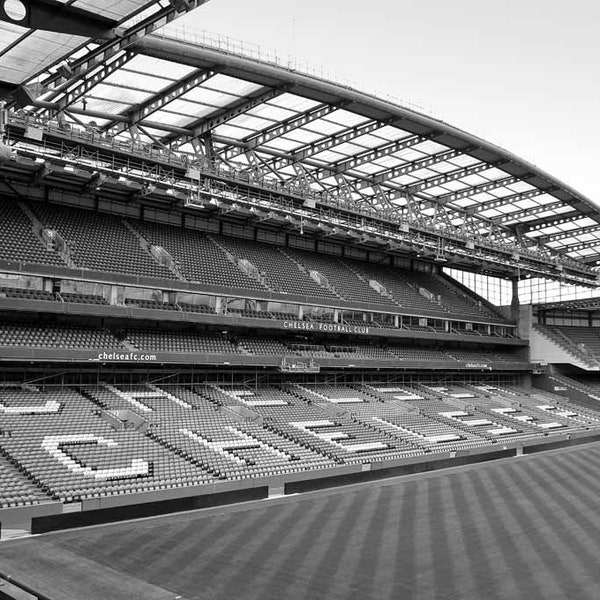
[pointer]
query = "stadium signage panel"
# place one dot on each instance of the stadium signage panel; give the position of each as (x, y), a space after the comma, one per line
(477, 366)
(124, 357)
(324, 327)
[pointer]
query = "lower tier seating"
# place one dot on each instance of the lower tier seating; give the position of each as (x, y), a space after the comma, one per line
(69, 444)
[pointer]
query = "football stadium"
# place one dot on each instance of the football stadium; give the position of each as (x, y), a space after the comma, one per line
(263, 335)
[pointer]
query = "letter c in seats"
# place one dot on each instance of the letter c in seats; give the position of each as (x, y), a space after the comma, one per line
(52, 444)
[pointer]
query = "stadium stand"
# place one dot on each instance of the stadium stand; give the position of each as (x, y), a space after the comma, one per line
(18, 241)
(239, 311)
(197, 256)
(279, 273)
(100, 242)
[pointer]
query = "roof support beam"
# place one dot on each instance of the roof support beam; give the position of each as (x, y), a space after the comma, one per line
(93, 78)
(544, 222)
(373, 154)
(452, 176)
(227, 113)
(270, 133)
(512, 199)
(407, 168)
(160, 100)
(527, 212)
(581, 246)
(341, 137)
(484, 187)
(563, 235)
(101, 54)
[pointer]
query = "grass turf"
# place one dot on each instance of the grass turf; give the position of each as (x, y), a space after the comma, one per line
(518, 528)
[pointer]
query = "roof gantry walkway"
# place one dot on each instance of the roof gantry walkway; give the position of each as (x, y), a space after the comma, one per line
(238, 133)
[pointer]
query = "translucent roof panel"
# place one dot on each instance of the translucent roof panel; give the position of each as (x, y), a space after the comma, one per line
(144, 81)
(21, 57)
(294, 103)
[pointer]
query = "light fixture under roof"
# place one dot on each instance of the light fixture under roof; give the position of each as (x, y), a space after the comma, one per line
(15, 10)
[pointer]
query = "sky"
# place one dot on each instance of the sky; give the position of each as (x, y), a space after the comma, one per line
(522, 74)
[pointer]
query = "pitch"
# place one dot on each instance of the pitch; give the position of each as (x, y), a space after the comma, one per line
(523, 527)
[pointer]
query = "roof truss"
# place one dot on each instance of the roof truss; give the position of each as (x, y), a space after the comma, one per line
(229, 112)
(63, 79)
(451, 176)
(142, 111)
(275, 131)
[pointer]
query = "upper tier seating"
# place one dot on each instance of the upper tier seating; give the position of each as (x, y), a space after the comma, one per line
(198, 258)
(346, 283)
(17, 240)
(398, 283)
(280, 273)
(106, 243)
(100, 242)
(457, 302)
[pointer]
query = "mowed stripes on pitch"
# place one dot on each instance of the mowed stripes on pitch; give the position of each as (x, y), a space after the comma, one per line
(519, 528)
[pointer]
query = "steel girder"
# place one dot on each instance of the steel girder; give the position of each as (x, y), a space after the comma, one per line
(526, 212)
(79, 68)
(93, 78)
(581, 245)
(538, 224)
(341, 137)
(159, 100)
(514, 198)
(452, 176)
(562, 235)
(270, 133)
(225, 114)
(472, 191)
(373, 154)
(409, 167)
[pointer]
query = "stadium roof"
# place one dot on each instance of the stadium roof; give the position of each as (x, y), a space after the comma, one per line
(227, 106)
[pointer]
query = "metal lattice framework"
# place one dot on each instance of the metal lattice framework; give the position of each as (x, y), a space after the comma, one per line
(218, 110)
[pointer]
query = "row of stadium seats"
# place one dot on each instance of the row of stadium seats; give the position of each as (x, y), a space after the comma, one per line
(106, 243)
(35, 335)
(69, 444)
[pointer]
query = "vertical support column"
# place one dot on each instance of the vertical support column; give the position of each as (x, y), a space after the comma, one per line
(514, 304)
(261, 305)
(336, 315)
(219, 305)
(116, 294)
(396, 321)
